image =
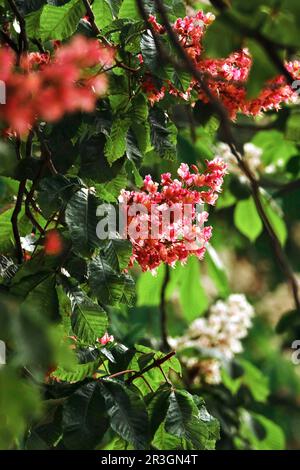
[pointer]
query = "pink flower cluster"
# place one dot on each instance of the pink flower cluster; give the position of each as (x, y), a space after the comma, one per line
(45, 88)
(181, 233)
(226, 78)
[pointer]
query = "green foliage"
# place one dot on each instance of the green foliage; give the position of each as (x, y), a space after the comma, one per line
(247, 220)
(84, 419)
(83, 332)
(55, 22)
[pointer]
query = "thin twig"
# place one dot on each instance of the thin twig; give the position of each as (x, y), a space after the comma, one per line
(156, 363)
(122, 372)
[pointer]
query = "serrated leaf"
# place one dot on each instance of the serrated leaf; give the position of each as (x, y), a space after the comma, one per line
(163, 134)
(109, 286)
(127, 412)
(55, 191)
(89, 320)
(116, 142)
(55, 22)
(102, 12)
(82, 221)
(78, 372)
(117, 253)
(84, 418)
(186, 421)
(157, 405)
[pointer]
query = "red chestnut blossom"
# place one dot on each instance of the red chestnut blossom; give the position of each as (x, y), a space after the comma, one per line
(190, 31)
(45, 88)
(169, 228)
(34, 59)
(106, 338)
(156, 26)
(53, 245)
(154, 95)
(226, 77)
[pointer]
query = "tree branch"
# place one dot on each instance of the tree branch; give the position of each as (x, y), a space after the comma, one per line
(156, 363)
(5, 37)
(23, 43)
(91, 17)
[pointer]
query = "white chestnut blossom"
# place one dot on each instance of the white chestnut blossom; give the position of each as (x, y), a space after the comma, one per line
(221, 332)
(252, 155)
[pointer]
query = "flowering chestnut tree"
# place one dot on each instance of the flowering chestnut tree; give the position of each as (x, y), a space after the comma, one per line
(122, 328)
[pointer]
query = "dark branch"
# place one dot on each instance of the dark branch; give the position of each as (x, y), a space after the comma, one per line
(5, 37)
(156, 363)
(91, 17)
(23, 43)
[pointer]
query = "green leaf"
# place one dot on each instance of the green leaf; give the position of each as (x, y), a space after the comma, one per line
(117, 252)
(116, 142)
(102, 12)
(94, 165)
(89, 320)
(53, 22)
(84, 418)
(77, 372)
(43, 298)
(193, 298)
(252, 378)
(276, 218)
(247, 220)
(163, 134)
(127, 412)
(129, 10)
(261, 71)
(107, 285)
(158, 404)
(217, 271)
(149, 287)
(6, 239)
(277, 150)
(165, 441)
(55, 191)
(19, 403)
(186, 421)
(82, 221)
(260, 432)
(255, 380)
(150, 55)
